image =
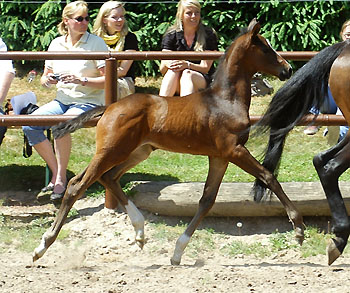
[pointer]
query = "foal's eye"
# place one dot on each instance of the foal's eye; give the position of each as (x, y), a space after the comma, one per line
(265, 49)
(261, 45)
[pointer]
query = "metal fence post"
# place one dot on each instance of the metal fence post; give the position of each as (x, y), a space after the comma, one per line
(110, 97)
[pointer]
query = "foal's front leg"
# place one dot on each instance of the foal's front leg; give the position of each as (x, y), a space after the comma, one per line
(243, 159)
(217, 168)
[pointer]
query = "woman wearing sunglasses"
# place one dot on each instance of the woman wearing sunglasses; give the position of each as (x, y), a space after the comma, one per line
(80, 87)
(112, 26)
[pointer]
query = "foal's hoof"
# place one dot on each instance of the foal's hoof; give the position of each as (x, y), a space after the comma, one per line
(140, 244)
(174, 262)
(39, 251)
(332, 251)
(299, 235)
(140, 239)
(37, 255)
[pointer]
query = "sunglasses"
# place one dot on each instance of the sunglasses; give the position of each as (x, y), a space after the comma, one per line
(80, 18)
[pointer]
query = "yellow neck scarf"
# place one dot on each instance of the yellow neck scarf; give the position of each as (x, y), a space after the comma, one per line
(112, 40)
(115, 42)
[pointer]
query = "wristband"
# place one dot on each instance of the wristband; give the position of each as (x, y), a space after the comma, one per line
(84, 81)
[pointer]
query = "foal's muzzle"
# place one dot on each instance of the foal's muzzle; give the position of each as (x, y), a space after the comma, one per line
(285, 73)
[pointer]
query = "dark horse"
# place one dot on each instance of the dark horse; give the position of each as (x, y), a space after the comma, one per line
(213, 123)
(307, 86)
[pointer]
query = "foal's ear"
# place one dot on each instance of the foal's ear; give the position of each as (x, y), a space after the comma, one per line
(254, 26)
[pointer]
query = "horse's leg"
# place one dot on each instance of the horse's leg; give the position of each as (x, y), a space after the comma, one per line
(67, 202)
(111, 181)
(321, 159)
(217, 168)
(75, 189)
(329, 170)
(243, 159)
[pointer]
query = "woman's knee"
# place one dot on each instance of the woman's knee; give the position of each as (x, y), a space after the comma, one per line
(34, 134)
(193, 77)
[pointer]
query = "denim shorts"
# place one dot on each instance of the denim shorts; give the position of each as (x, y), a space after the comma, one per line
(35, 134)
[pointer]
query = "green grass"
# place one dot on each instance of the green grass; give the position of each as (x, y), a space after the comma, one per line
(315, 242)
(241, 248)
(24, 236)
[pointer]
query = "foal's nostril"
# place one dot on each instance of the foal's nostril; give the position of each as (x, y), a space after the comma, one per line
(285, 74)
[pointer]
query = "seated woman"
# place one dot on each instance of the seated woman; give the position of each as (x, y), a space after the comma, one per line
(7, 74)
(112, 26)
(183, 77)
(80, 87)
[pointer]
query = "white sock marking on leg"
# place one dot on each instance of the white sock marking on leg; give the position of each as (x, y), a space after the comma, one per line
(136, 219)
(181, 244)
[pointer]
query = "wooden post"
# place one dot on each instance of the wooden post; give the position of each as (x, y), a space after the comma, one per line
(111, 97)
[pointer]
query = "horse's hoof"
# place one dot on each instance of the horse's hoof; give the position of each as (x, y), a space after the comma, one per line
(174, 262)
(332, 251)
(299, 235)
(35, 257)
(140, 239)
(140, 244)
(39, 251)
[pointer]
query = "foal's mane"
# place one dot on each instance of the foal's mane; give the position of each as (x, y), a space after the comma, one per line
(218, 74)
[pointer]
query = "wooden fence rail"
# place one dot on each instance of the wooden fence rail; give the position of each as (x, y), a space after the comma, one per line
(111, 83)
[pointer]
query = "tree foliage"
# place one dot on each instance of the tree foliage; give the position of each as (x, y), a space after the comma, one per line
(290, 26)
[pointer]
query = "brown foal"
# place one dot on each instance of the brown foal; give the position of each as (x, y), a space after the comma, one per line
(213, 122)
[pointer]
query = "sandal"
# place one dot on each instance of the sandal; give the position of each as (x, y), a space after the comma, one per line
(57, 196)
(48, 188)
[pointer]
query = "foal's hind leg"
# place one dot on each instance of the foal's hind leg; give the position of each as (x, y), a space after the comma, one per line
(111, 182)
(51, 234)
(217, 168)
(330, 165)
(75, 189)
(243, 159)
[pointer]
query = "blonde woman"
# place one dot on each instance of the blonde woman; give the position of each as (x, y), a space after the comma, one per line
(112, 26)
(80, 87)
(183, 77)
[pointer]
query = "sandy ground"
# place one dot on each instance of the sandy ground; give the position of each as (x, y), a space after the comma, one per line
(100, 256)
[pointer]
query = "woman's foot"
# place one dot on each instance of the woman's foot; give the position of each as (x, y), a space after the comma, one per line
(58, 192)
(48, 188)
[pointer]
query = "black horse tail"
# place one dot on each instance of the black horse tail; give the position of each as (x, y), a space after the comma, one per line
(76, 123)
(306, 88)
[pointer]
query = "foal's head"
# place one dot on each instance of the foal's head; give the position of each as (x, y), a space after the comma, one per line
(257, 55)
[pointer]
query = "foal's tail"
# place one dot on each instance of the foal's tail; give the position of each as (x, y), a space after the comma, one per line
(307, 87)
(76, 123)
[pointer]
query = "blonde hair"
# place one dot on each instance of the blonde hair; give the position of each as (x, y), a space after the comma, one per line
(68, 11)
(182, 5)
(345, 24)
(105, 10)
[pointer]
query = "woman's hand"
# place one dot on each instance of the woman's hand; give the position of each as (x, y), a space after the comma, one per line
(70, 78)
(177, 65)
(49, 79)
